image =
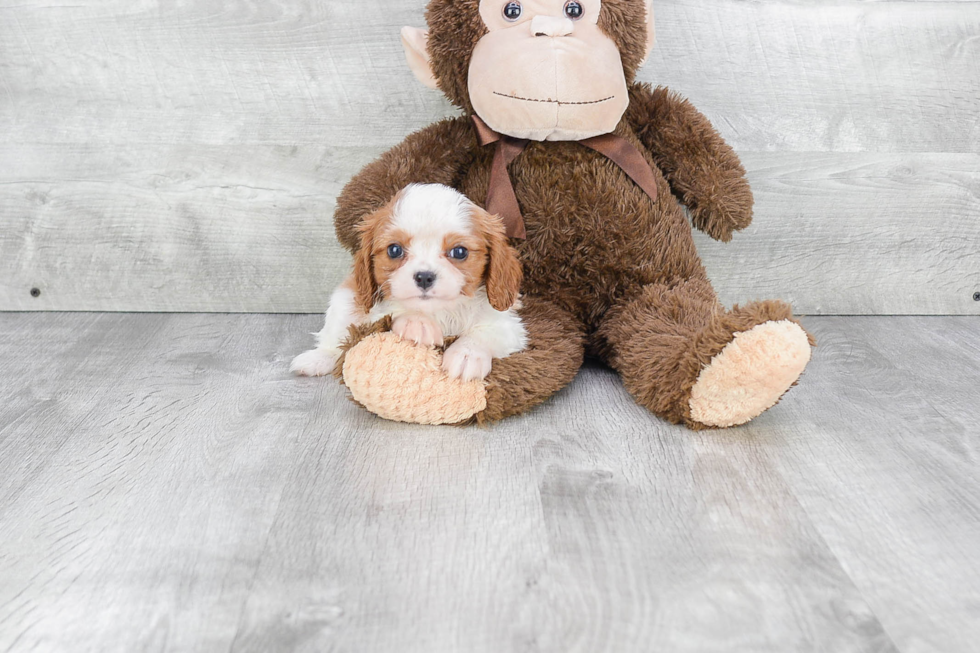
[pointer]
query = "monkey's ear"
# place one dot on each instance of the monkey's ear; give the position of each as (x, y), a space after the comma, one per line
(651, 32)
(414, 40)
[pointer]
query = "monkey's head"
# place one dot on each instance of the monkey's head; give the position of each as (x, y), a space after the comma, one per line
(538, 69)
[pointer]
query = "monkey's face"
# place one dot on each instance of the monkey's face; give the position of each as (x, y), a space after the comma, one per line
(545, 71)
(537, 69)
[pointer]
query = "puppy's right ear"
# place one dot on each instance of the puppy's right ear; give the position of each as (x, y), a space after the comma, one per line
(365, 286)
(503, 273)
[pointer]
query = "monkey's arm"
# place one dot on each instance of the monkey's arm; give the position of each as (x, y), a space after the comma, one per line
(701, 168)
(437, 154)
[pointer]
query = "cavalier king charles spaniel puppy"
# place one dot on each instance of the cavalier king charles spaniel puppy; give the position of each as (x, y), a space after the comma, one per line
(441, 267)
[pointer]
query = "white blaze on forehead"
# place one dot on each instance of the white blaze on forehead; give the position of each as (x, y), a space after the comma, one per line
(431, 210)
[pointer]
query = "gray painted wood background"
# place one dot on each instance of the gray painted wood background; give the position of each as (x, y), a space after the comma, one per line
(186, 156)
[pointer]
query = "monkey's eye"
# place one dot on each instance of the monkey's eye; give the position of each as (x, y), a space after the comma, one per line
(395, 251)
(512, 11)
(574, 10)
(459, 253)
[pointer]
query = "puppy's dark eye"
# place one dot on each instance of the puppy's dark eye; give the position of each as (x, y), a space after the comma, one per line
(574, 10)
(459, 253)
(512, 11)
(395, 251)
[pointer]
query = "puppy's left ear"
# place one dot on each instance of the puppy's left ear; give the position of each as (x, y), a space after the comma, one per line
(365, 287)
(504, 274)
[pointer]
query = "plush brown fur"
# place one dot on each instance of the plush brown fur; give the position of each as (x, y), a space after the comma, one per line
(437, 154)
(549, 363)
(675, 134)
(607, 271)
(661, 340)
(521, 381)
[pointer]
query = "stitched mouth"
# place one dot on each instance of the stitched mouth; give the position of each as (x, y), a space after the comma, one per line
(560, 103)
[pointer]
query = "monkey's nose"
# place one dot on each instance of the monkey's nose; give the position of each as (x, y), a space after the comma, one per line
(424, 279)
(551, 26)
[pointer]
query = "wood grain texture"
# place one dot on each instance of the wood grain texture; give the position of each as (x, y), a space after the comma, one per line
(187, 156)
(833, 233)
(166, 486)
(838, 75)
(173, 228)
(857, 234)
(881, 474)
(828, 76)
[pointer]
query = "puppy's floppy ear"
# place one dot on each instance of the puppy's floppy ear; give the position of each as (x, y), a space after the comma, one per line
(365, 286)
(504, 274)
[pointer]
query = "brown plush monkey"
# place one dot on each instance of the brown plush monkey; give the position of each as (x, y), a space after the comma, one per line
(610, 266)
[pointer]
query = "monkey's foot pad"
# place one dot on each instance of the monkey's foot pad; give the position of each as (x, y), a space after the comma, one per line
(750, 374)
(403, 382)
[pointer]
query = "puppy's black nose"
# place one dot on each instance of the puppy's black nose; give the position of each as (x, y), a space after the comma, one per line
(425, 279)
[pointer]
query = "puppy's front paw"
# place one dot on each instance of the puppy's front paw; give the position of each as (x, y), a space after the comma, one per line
(417, 328)
(466, 361)
(315, 362)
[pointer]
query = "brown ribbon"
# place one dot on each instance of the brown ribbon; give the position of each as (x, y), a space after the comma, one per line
(501, 199)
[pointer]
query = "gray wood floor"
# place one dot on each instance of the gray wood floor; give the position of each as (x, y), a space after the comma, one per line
(166, 486)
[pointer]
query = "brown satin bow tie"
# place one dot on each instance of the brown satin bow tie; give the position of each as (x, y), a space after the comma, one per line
(501, 199)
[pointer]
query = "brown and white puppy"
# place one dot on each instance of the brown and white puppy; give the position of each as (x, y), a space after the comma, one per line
(441, 267)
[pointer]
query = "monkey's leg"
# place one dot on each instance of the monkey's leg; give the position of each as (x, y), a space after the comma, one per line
(404, 382)
(685, 358)
(551, 360)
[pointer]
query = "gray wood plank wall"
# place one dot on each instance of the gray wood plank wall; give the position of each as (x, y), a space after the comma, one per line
(186, 156)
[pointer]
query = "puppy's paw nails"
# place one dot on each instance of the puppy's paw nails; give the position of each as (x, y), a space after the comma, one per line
(420, 330)
(316, 362)
(467, 362)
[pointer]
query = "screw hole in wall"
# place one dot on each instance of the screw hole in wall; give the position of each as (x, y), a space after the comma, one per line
(35, 292)
(976, 296)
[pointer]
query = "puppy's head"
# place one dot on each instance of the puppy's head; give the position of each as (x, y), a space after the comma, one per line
(429, 246)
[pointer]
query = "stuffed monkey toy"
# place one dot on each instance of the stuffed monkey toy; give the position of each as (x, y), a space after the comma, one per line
(589, 170)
